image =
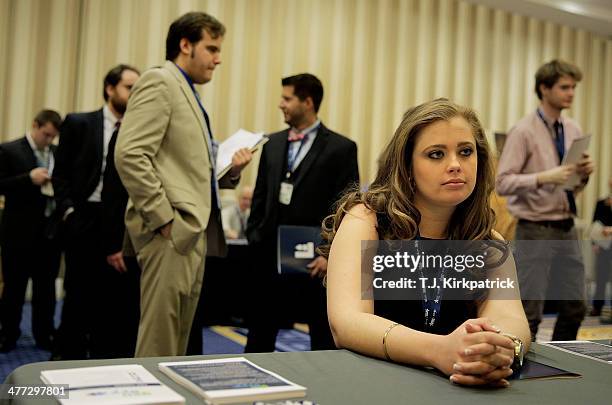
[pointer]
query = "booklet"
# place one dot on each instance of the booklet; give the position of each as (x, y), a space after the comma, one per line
(241, 139)
(232, 380)
(585, 348)
(128, 384)
(533, 370)
(296, 247)
(573, 155)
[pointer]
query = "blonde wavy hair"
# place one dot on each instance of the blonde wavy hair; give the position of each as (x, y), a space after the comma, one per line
(392, 192)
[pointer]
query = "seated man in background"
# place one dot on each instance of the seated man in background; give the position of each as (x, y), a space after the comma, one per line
(235, 216)
(26, 165)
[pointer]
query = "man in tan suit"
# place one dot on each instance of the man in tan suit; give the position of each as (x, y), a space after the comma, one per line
(165, 158)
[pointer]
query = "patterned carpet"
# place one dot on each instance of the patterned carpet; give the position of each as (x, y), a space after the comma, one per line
(217, 340)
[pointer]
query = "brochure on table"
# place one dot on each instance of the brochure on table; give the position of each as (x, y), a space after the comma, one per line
(585, 348)
(128, 384)
(231, 380)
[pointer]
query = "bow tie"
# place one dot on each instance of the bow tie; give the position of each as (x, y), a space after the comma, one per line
(295, 136)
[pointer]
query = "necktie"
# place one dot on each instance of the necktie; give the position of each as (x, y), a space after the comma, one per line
(213, 147)
(559, 139)
(560, 145)
(42, 160)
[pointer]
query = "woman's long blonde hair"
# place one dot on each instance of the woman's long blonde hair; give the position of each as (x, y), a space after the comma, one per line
(392, 192)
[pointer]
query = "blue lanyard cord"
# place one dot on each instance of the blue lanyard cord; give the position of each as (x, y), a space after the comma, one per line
(559, 142)
(213, 146)
(559, 135)
(291, 159)
(431, 306)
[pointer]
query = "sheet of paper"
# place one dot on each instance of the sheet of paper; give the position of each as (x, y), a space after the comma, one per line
(572, 156)
(126, 384)
(47, 189)
(241, 139)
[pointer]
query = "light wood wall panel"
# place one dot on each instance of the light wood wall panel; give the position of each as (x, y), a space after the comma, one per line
(376, 58)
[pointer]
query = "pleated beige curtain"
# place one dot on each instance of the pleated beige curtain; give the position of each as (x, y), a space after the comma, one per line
(376, 58)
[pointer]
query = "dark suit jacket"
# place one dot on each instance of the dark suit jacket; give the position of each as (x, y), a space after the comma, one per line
(23, 219)
(603, 213)
(329, 167)
(114, 199)
(78, 161)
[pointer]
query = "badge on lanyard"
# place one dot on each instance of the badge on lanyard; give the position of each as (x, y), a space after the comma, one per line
(47, 189)
(286, 190)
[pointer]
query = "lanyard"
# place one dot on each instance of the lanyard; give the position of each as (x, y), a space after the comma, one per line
(292, 158)
(559, 137)
(433, 305)
(213, 146)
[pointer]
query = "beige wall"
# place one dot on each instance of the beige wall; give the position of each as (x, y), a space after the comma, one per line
(375, 58)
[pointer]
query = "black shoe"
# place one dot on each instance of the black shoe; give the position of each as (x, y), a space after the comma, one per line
(595, 312)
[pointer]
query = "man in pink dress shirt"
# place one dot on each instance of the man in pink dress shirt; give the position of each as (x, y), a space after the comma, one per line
(531, 175)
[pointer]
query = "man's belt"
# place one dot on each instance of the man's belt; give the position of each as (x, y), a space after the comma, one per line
(563, 224)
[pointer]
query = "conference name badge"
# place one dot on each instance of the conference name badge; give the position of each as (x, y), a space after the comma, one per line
(286, 190)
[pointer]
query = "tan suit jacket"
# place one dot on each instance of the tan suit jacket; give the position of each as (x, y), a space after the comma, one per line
(163, 160)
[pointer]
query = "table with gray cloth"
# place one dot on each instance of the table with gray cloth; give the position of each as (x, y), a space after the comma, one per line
(343, 377)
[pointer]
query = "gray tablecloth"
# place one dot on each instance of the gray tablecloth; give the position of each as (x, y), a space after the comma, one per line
(342, 377)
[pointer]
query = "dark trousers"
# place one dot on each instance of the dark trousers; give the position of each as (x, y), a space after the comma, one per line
(119, 313)
(224, 294)
(101, 306)
(279, 300)
(603, 269)
(83, 284)
(543, 264)
(40, 262)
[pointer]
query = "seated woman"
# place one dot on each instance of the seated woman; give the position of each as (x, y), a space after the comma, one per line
(434, 181)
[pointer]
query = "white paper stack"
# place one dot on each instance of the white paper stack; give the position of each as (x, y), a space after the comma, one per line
(128, 384)
(231, 380)
(241, 139)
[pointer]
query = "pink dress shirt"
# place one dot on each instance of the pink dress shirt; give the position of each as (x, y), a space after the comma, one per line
(530, 149)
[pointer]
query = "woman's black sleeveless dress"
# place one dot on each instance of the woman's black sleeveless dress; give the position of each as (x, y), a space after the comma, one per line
(410, 312)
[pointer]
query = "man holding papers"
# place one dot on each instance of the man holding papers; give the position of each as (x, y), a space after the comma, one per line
(165, 158)
(533, 177)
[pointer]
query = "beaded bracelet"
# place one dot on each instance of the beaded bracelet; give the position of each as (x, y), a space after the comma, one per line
(384, 340)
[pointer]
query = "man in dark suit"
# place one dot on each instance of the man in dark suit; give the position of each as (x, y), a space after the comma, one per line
(26, 165)
(78, 180)
(122, 275)
(302, 172)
